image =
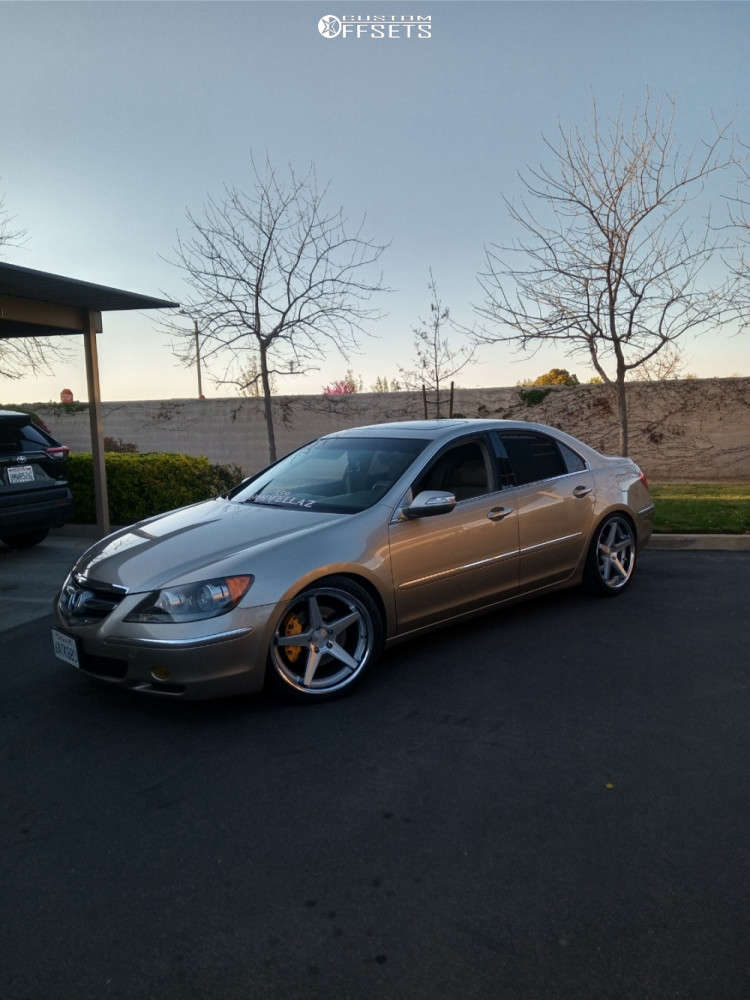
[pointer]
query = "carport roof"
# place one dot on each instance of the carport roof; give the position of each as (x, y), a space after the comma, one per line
(39, 304)
(41, 286)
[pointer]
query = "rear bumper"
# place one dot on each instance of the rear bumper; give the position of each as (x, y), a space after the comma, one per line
(34, 514)
(644, 525)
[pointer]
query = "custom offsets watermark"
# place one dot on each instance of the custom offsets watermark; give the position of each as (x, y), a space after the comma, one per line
(375, 26)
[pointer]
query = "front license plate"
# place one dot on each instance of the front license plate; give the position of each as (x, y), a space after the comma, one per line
(65, 648)
(21, 474)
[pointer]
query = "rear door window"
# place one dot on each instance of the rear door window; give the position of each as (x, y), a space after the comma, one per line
(532, 456)
(573, 461)
(33, 439)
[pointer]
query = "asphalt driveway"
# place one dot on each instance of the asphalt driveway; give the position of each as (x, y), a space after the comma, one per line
(550, 802)
(30, 578)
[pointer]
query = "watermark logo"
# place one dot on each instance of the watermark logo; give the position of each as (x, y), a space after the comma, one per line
(329, 26)
(376, 26)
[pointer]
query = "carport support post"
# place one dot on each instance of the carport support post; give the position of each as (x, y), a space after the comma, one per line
(92, 326)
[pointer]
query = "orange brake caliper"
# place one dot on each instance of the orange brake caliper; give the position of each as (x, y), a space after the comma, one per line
(293, 626)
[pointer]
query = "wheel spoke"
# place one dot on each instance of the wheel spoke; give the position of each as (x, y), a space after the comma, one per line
(313, 611)
(612, 534)
(605, 565)
(301, 639)
(615, 561)
(314, 656)
(343, 623)
(341, 654)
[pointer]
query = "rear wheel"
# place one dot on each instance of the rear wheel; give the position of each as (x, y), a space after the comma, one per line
(611, 560)
(325, 640)
(26, 540)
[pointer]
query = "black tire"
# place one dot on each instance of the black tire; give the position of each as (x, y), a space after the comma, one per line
(611, 559)
(26, 540)
(341, 634)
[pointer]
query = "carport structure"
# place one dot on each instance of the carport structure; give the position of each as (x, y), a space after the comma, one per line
(38, 304)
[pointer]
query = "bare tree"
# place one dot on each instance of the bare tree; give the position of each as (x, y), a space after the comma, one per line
(435, 360)
(9, 235)
(277, 277)
(383, 384)
(739, 221)
(249, 381)
(609, 262)
(667, 364)
(21, 356)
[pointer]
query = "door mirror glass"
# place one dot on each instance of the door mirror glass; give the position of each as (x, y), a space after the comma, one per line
(430, 502)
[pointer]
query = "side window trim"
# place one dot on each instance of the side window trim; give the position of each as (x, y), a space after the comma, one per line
(505, 477)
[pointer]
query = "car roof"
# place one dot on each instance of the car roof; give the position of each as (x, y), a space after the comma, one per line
(405, 428)
(435, 429)
(16, 416)
(444, 430)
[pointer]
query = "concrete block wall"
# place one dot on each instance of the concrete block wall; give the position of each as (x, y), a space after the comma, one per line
(695, 429)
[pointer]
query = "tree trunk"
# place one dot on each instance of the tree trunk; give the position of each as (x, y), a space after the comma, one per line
(622, 413)
(267, 404)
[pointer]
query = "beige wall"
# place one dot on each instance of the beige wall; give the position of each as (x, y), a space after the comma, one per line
(694, 429)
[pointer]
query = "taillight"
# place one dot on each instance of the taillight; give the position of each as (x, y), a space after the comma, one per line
(643, 479)
(58, 452)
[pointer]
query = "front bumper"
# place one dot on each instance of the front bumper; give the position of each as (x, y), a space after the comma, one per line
(231, 659)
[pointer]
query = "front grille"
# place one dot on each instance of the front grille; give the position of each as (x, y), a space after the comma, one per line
(83, 600)
(102, 666)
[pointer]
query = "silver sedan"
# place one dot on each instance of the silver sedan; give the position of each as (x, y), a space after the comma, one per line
(303, 573)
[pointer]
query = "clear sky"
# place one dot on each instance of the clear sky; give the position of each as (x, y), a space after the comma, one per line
(116, 117)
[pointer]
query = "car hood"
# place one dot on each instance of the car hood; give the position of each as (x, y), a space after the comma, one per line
(193, 543)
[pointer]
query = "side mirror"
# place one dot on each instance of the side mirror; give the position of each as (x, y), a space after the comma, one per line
(430, 502)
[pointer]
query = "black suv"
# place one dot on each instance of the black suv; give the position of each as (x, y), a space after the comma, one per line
(34, 494)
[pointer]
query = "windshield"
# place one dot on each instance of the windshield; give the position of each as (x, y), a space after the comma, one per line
(338, 475)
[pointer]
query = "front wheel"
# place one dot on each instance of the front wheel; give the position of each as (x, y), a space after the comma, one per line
(325, 639)
(611, 559)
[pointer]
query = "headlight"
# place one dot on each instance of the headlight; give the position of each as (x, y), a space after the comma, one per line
(192, 602)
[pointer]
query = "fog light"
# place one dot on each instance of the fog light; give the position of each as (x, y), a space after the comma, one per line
(160, 674)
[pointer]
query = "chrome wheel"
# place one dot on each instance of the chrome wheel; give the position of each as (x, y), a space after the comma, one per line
(615, 552)
(324, 640)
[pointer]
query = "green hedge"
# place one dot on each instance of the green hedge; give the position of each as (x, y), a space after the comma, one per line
(143, 485)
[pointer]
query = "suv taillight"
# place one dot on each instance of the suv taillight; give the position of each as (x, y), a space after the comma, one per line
(643, 478)
(58, 452)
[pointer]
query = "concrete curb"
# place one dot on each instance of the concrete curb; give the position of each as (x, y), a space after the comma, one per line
(704, 543)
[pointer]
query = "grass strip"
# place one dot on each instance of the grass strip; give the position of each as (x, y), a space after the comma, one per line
(702, 508)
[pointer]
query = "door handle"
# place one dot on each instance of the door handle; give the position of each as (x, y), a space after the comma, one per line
(581, 491)
(498, 513)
